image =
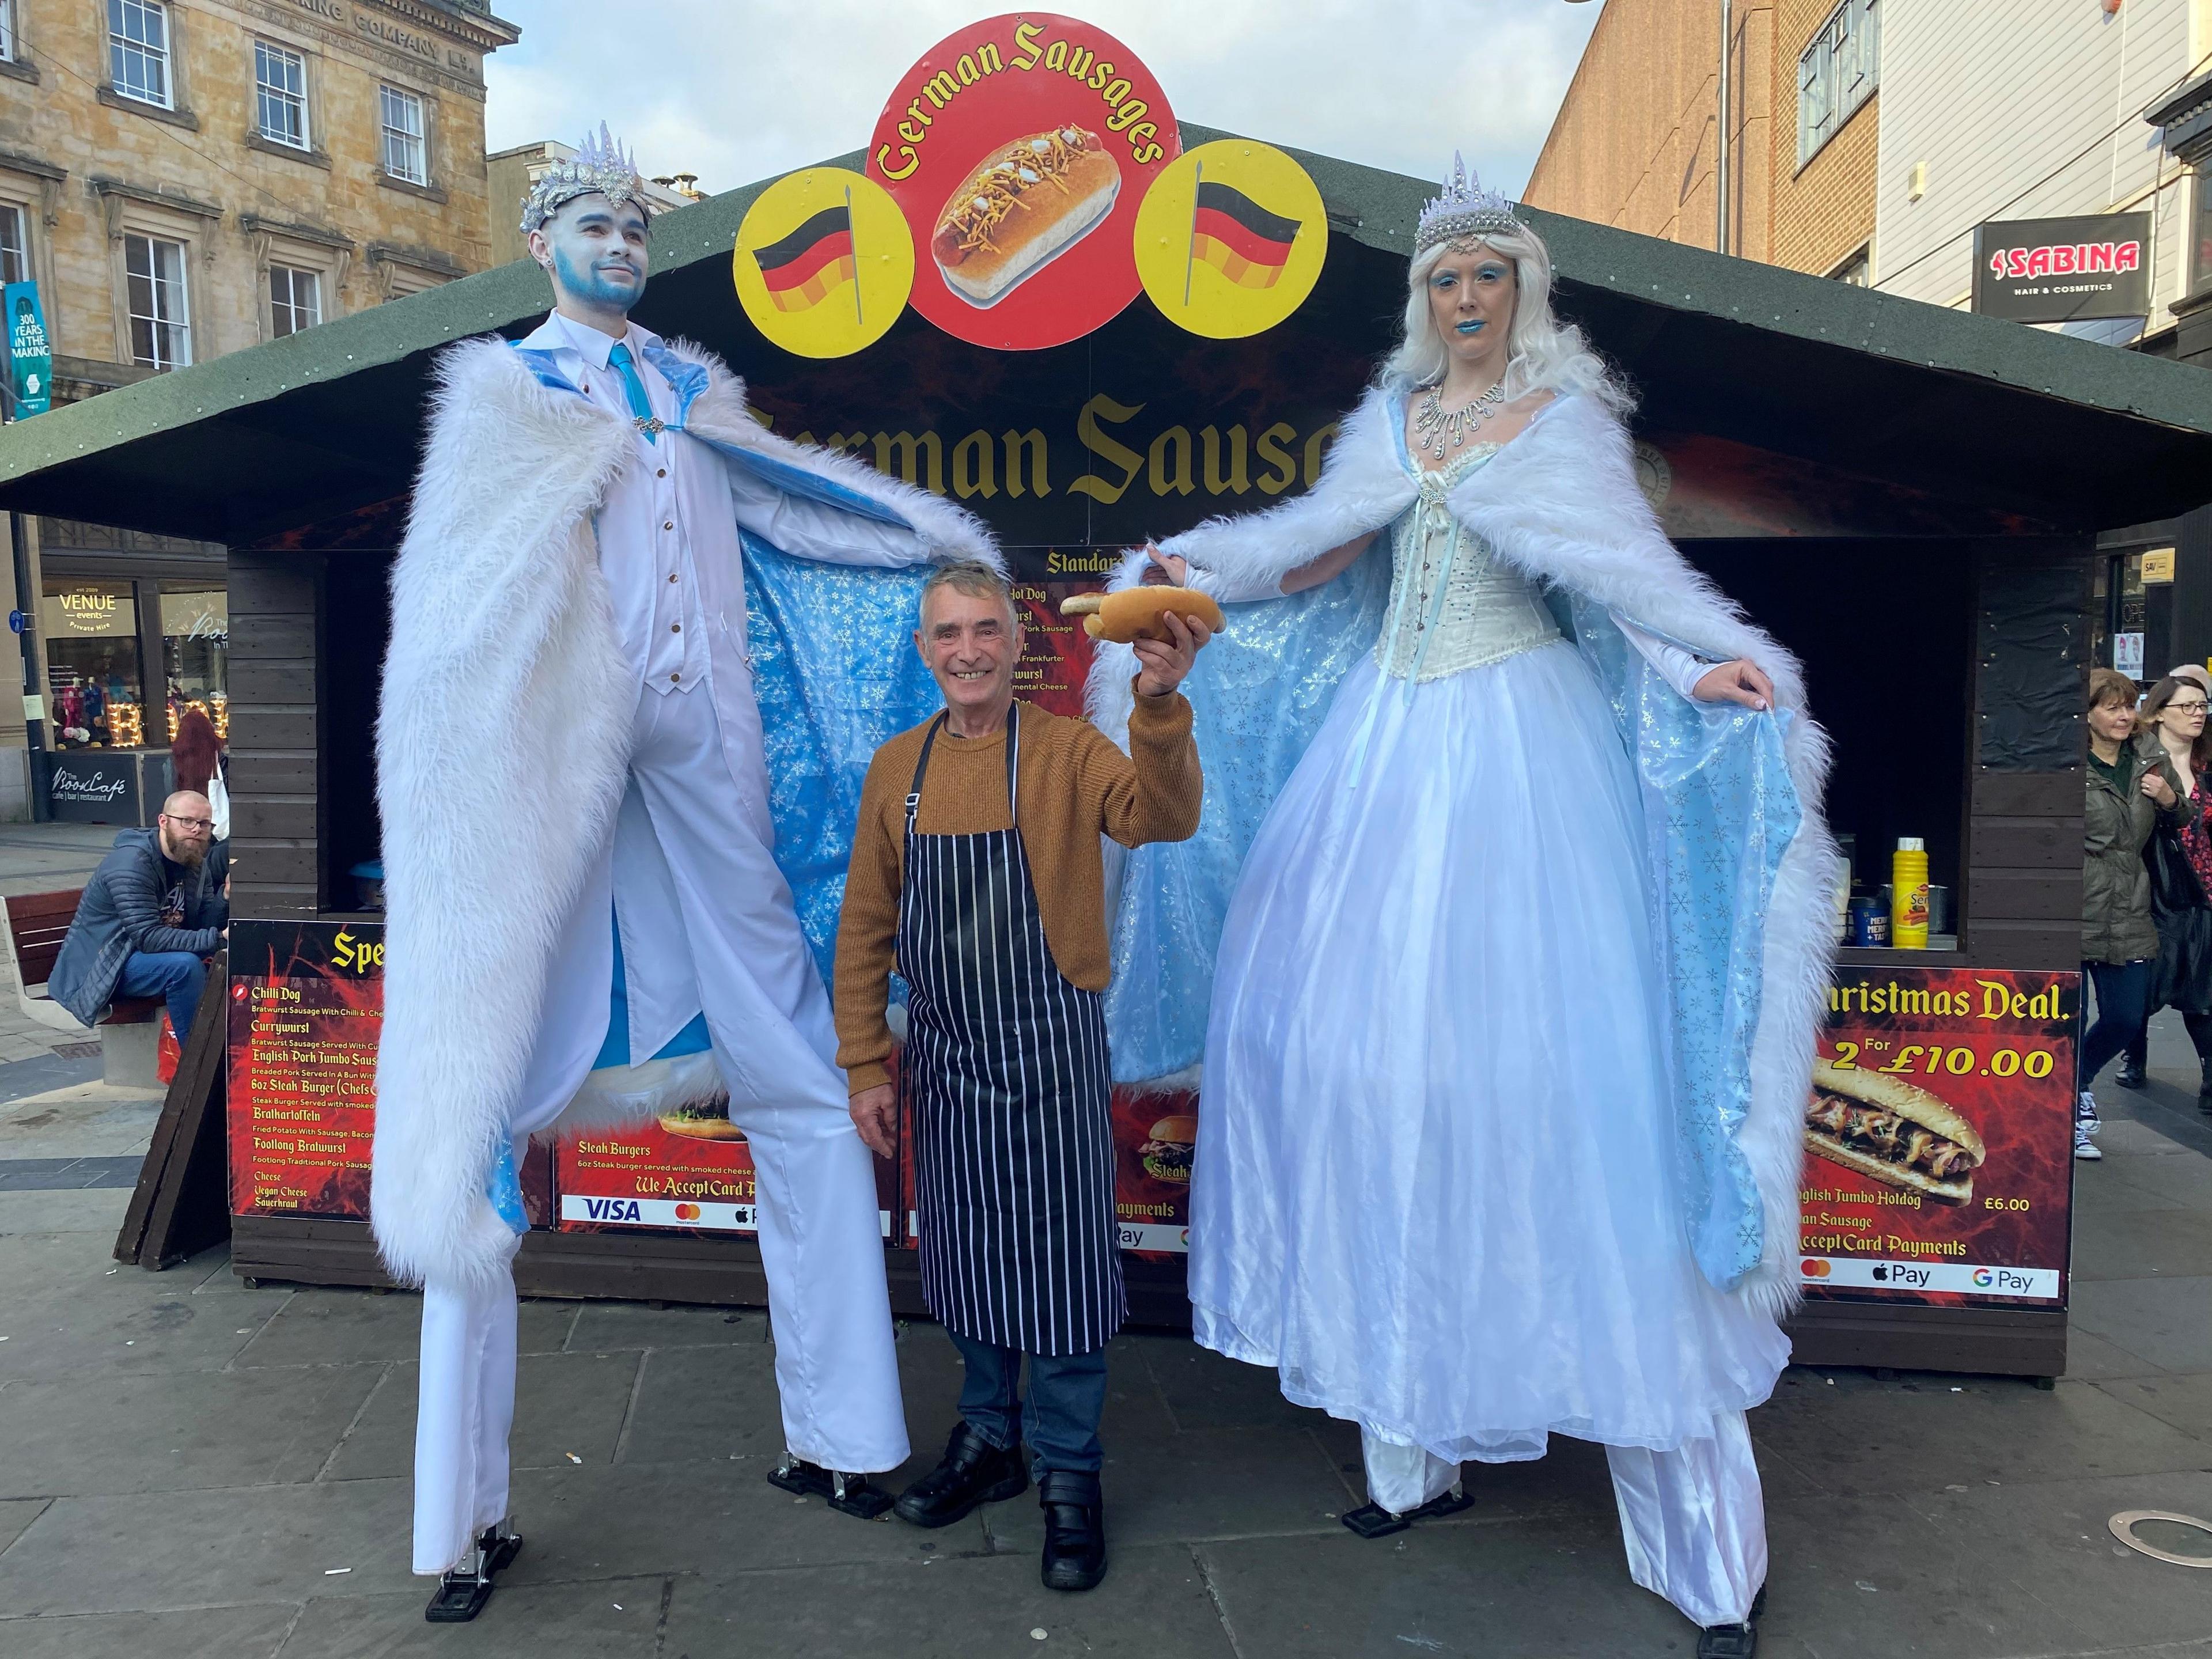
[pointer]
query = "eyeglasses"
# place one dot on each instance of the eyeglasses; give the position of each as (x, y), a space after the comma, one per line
(198, 826)
(2178, 707)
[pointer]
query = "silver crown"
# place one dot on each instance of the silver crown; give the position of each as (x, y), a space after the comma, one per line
(1464, 212)
(600, 167)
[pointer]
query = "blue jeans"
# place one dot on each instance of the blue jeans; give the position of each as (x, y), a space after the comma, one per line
(176, 976)
(2123, 1010)
(1067, 1394)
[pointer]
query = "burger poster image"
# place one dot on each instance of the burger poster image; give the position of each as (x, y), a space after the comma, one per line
(1020, 148)
(1938, 1137)
(1154, 1138)
(688, 1169)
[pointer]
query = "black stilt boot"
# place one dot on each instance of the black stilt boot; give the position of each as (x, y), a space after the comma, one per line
(1734, 1641)
(463, 1592)
(1074, 1530)
(849, 1494)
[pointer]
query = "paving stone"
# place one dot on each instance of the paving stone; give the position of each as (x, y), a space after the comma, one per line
(1206, 1391)
(200, 1429)
(119, 1332)
(98, 1210)
(602, 1326)
(335, 1324)
(2106, 1188)
(1152, 1604)
(185, 1549)
(1899, 1438)
(2167, 1321)
(2144, 1243)
(236, 1632)
(567, 1406)
(2091, 1359)
(15, 1515)
(717, 1518)
(2184, 1402)
(2184, 1180)
(612, 1619)
(2059, 1554)
(1550, 1587)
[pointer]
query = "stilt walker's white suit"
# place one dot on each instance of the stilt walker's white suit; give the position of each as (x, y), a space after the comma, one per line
(570, 746)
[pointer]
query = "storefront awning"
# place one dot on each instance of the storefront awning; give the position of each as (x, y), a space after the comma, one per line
(1984, 412)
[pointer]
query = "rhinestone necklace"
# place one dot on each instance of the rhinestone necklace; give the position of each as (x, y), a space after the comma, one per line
(1436, 428)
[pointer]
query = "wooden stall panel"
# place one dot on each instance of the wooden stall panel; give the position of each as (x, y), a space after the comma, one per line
(276, 767)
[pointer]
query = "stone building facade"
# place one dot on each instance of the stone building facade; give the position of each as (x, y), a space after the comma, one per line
(186, 178)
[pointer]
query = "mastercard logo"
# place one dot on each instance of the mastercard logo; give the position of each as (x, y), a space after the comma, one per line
(687, 1213)
(1813, 1267)
(1984, 1277)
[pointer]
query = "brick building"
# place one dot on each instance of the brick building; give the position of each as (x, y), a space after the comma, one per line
(181, 178)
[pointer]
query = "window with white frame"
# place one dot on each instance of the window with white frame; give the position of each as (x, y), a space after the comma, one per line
(295, 299)
(280, 82)
(14, 252)
(406, 153)
(1837, 73)
(8, 30)
(1858, 269)
(138, 49)
(160, 317)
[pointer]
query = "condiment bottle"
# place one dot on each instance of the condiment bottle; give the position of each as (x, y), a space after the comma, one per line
(1908, 895)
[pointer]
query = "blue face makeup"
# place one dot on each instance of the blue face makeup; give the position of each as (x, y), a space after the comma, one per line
(595, 262)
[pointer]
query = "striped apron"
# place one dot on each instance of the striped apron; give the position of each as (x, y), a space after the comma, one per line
(1006, 1065)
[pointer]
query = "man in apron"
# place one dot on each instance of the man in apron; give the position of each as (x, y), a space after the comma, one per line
(977, 873)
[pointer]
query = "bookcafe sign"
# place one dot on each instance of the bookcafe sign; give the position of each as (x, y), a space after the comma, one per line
(2064, 270)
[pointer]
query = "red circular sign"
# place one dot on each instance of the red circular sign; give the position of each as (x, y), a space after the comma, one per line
(1020, 148)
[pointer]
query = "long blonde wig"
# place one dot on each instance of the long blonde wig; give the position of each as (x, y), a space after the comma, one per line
(1543, 353)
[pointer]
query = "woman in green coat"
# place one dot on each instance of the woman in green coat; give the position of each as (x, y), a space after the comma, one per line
(2132, 786)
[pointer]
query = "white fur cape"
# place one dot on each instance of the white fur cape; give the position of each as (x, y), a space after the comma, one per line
(502, 750)
(1561, 503)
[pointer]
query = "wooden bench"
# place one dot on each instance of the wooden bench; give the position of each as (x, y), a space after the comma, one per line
(35, 925)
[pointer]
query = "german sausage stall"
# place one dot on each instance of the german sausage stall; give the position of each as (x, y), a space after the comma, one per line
(1908, 497)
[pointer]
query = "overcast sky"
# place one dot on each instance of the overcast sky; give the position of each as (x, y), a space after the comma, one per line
(736, 90)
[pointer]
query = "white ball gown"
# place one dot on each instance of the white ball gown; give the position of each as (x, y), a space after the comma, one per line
(1435, 1184)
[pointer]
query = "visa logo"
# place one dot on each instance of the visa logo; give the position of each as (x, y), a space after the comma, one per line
(611, 1209)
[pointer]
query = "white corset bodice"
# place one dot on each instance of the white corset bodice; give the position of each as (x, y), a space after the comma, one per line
(1452, 606)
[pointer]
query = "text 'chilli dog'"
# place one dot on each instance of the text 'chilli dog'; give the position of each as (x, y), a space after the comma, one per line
(1138, 613)
(1022, 205)
(1883, 1126)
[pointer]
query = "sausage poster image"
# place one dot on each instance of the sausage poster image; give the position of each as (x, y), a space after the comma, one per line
(1938, 1137)
(1020, 148)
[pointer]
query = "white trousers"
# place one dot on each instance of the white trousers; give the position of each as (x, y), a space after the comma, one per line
(688, 829)
(1692, 1519)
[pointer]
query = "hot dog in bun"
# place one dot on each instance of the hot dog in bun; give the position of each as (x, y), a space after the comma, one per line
(1902, 1136)
(1167, 1154)
(1022, 204)
(1136, 613)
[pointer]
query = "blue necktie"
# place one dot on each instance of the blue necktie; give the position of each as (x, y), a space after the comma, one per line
(640, 404)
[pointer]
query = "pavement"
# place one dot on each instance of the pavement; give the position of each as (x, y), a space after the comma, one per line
(190, 1466)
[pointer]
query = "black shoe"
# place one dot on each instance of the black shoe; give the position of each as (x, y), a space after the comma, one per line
(1373, 1521)
(973, 1471)
(1734, 1641)
(463, 1592)
(1074, 1530)
(2129, 1076)
(849, 1494)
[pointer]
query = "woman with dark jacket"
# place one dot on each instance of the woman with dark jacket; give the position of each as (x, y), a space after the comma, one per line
(2173, 717)
(2132, 788)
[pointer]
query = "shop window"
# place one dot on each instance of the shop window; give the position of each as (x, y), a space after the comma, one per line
(2119, 616)
(160, 325)
(406, 148)
(95, 684)
(2200, 241)
(295, 299)
(1838, 72)
(138, 49)
(196, 657)
(14, 251)
(280, 79)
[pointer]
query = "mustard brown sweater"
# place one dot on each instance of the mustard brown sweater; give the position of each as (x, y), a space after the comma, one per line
(1075, 786)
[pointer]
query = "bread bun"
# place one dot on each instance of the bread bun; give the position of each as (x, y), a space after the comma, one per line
(1136, 613)
(701, 1128)
(1885, 1093)
(1893, 1093)
(1021, 206)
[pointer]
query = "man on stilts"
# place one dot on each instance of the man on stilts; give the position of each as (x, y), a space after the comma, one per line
(586, 917)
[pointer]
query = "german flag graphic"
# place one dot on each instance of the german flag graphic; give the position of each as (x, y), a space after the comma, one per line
(1239, 237)
(805, 266)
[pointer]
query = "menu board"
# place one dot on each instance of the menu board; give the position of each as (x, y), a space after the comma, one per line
(1938, 1136)
(1155, 1137)
(1055, 651)
(645, 1174)
(306, 1008)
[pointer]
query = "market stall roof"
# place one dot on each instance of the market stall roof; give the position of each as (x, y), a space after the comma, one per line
(2076, 434)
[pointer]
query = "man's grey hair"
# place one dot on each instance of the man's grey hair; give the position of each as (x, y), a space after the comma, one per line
(975, 577)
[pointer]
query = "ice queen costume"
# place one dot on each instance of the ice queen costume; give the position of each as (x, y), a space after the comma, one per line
(642, 650)
(1505, 958)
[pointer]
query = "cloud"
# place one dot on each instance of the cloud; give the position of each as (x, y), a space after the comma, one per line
(737, 90)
